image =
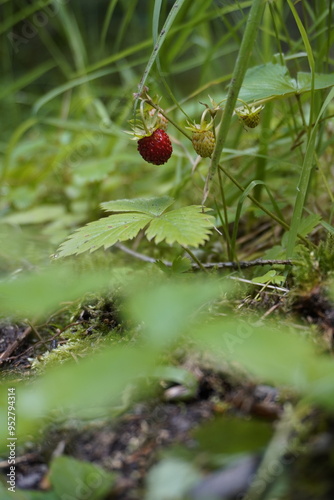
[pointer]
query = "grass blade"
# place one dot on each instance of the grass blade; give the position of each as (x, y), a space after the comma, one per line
(304, 180)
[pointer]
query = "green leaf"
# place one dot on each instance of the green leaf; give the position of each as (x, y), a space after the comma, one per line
(104, 232)
(327, 226)
(308, 224)
(321, 81)
(79, 479)
(265, 278)
(181, 265)
(151, 206)
(274, 355)
(170, 479)
(93, 170)
(305, 226)
(167, 310)
(231, 435)
(273, 81)
(71, 389)
(43, 213)
(186, 226)
(34, 295)
(267, 80)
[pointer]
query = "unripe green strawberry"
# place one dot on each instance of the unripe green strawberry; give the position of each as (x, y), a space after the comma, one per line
(250, 116)
(155, 148)
(203, 137)
(252, 120)
(203, 142)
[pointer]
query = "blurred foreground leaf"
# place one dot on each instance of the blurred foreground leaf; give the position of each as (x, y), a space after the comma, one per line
(84, 480)
(38, 215)
(69, 478)
(169, 310)
(34, 295)
(95, 382)
(232, 435)
(170, 479)
(275, 355)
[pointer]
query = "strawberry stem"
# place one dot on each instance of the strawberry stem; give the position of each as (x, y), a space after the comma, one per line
(151, 103)
(142, 114)
(195, 259)
(281, 222)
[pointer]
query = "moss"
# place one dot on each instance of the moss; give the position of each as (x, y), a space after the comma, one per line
(316, 266)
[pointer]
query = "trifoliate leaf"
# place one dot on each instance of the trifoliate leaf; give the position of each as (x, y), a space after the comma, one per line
(104, 233)
(186, 226)
(152, 206)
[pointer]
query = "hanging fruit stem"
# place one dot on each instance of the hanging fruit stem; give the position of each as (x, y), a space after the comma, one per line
(160, 110)
(247, 44)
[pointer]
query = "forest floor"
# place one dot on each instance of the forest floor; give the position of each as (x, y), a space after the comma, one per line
(131, 443)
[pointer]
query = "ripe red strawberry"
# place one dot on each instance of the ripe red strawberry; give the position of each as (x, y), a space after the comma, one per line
(156, 148)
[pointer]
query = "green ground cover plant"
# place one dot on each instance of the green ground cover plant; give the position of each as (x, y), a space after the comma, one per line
(186, 273)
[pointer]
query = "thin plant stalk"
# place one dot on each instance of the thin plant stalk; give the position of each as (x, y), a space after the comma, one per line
(308, 162)
(225, 222)
(194, 258)
(263, 208)
(264, 140)
(304, 180)
(247, 44)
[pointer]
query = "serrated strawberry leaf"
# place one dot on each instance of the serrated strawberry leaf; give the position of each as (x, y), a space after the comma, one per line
(186, 226)
(152, 206)
(104, 232)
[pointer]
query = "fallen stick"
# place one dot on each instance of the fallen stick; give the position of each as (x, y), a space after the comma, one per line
(11, 348)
